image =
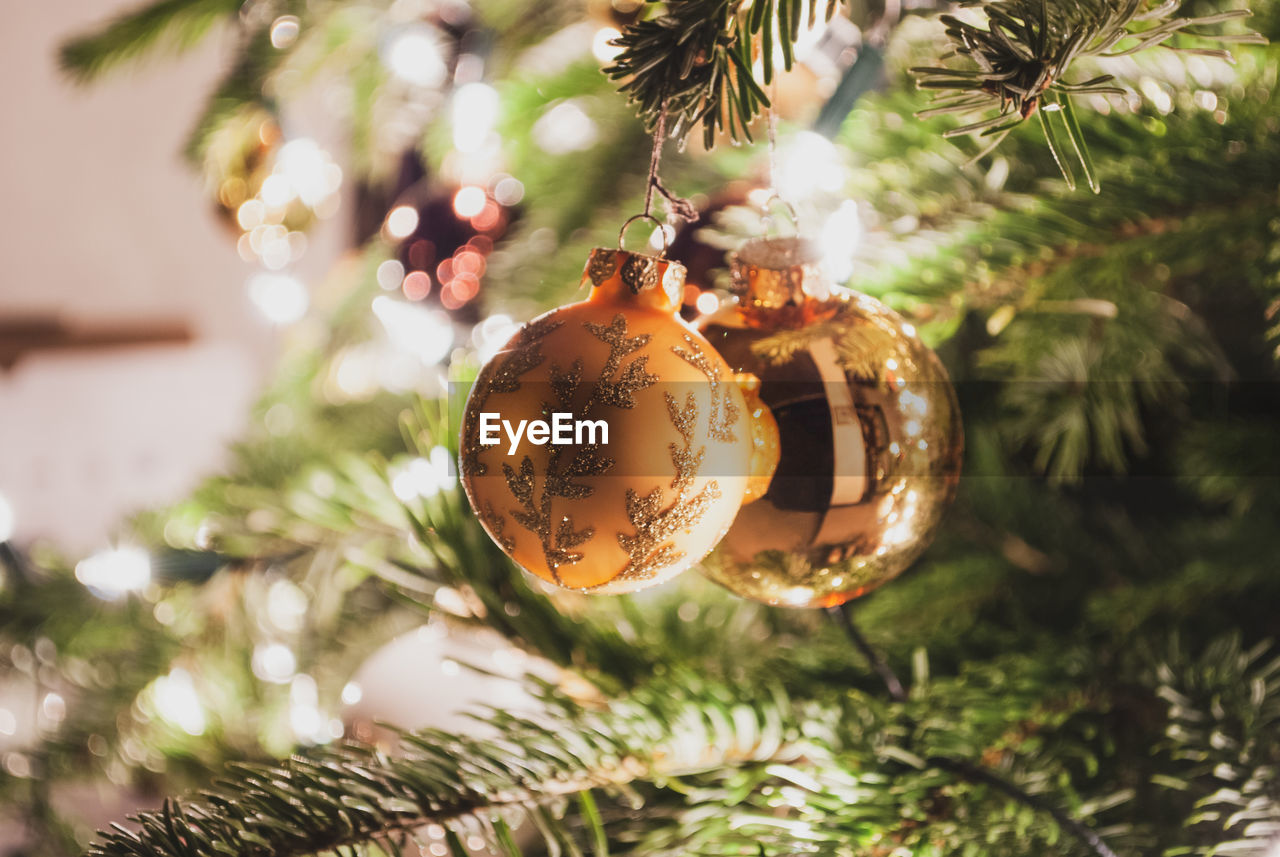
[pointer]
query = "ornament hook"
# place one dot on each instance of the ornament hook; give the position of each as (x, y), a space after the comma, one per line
(662, 230)
(766, 208)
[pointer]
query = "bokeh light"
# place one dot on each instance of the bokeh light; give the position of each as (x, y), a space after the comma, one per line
(284, 31)
(417, 285)
(112, 573)
(311, 175)
(841, 235)
(565, 127)
(475, 112)
(807, 164)
(401, 221)
(274, 662)
(425, 333)
(469, 201)
(390, 274)
(601, 47)
(177, 702)
(282, 298)
(414, 55)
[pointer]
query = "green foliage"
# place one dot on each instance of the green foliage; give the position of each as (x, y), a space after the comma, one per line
(329, 800)
(173, 24)
(1018, 62)
(685, 721)
(694, 61)
(1224, 707)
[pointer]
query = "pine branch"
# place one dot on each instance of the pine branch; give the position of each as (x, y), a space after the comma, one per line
(1223, 710)
(241, 86)
(1018, 62)
(355, 795)
(694, 61)
(175, 24)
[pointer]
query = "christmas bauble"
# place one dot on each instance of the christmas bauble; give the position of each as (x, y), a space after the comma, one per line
(239, 159)
(607, 447)
(869, 427)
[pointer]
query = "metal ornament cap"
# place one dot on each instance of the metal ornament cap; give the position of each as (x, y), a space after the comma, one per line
(777, 272)
(634, 279)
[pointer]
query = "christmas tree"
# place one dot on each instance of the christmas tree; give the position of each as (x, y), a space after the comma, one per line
(1075, 203)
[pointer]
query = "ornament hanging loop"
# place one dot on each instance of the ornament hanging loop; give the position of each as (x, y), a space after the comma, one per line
(662, 230)
(676, 206)
(770, 202)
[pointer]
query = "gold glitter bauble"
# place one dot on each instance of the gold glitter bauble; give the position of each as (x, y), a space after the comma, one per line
(870, 433)
(241, 157)
(652, 501)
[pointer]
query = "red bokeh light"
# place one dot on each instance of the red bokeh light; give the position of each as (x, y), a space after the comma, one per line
(488, 218)
(417, 285)
(468, 262)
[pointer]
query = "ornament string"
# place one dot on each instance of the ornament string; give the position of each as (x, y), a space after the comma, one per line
(843, 616)
(771, 126)
(676, 206)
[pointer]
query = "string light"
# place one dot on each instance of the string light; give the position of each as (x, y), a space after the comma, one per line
(424, 333)
(841, 235)
(274, 662)
(284, 31)
(425, 477)
(177, 702)
(601, 47)
(807, 164)
(112, 573)
(565, 128)
(390, 274)
(286, 606)
(282, 298)
(707, 303)
(304, 711)
(475, 112)
(469, 201)
(308, 172)
(401, 221)
(413, 54)
(493, 333)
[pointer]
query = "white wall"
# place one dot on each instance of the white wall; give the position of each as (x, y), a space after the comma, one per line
(102, 220)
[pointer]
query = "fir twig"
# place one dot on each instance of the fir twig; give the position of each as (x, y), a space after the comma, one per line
(969, 770)
(979, 774)
(179, 24)
(329, 800)
(1018, 62)
(697, 57)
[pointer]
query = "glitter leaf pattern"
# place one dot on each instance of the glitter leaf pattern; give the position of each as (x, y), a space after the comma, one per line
(649, 548)
(559, 538)
(724, 412)
(525, 356)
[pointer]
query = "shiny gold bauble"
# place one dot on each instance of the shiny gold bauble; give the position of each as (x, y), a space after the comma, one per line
(651, 502)
(240, 158)
(870, 433)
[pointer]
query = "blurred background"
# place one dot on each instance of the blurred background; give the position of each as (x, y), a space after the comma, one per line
(251, 246)
(131, 348)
